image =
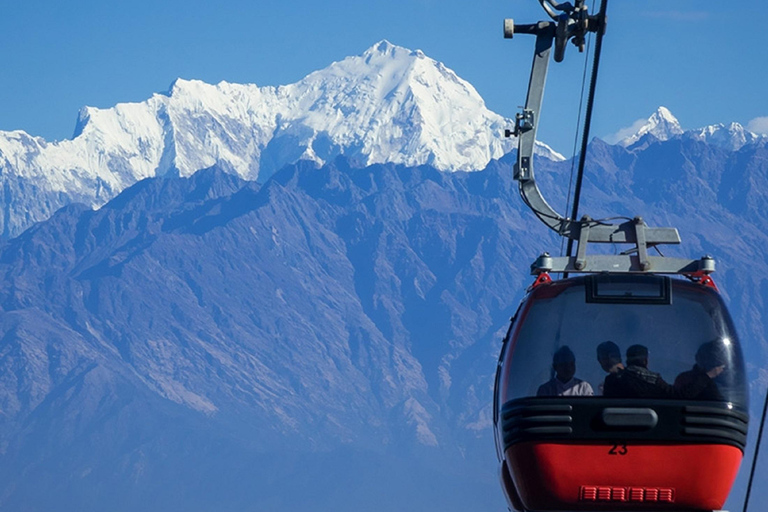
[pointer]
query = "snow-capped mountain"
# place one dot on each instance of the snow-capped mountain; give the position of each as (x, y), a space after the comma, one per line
(389, 104)
(732, 136)
(662, 125)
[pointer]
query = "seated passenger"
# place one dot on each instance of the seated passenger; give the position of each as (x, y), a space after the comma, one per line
(609, 357)
(636, 380)
(564, 383)
(711, 359)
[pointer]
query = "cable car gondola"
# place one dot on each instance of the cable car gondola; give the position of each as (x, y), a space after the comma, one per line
(621, 388)
(649, 443)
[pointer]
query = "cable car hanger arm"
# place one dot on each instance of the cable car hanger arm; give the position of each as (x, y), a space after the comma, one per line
(573, 23)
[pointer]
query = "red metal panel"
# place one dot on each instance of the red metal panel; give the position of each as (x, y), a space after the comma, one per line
(552, 476)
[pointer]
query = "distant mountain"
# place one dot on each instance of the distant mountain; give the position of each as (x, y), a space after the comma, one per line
(662, 125)
(389, 104)
(283, 287)
(732, 136)
(207, 342)
(192, 328)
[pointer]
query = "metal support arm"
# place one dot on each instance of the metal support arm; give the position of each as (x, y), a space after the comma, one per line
(586, 230)
(526, 127)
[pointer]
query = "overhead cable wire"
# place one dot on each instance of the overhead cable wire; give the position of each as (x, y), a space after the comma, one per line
(576, 138)
(588, 116)
(576, 133)
(755, 456)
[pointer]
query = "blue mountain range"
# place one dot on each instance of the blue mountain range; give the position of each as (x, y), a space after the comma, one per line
(326, 339)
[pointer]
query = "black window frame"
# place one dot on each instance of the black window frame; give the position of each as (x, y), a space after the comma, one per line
(593, 296)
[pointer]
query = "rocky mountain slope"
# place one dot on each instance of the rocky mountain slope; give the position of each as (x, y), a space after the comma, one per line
(207, 341)
(284, 289)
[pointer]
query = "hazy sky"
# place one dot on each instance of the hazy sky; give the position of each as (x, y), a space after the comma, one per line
(706, 61)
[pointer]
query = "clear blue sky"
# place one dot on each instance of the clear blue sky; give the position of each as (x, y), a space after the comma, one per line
(706, 61)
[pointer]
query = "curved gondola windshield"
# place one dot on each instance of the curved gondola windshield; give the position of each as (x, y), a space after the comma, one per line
(624, 336)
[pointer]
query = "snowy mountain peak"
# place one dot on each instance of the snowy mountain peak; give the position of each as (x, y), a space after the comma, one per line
(383, 47)
(731, 136)
(387, 105)
(663, 114)
(82, 119)
(662, 125)
(388, 67)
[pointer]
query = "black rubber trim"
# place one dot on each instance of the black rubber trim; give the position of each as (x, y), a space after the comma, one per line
(532, 409)
(696, 420)
(523, 421)
(545, 419)
(711, 432)
(548, 430)
(724, 411)
(581, 420)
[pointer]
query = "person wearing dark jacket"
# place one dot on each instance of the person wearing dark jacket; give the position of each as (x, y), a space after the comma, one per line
(710, 363)
(637, 381)
(609, 357)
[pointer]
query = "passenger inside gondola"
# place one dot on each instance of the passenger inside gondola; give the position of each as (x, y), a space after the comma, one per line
(564, 383)
(711, 361)
(609, 357)
(636, 380)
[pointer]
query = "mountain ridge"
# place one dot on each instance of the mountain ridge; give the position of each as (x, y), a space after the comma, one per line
(389, 104)
(663, 125)
(214, 322)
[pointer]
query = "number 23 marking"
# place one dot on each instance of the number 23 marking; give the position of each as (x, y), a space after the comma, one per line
(618, 449)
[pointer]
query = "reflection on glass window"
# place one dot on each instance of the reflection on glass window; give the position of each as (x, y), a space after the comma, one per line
(624, 337)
